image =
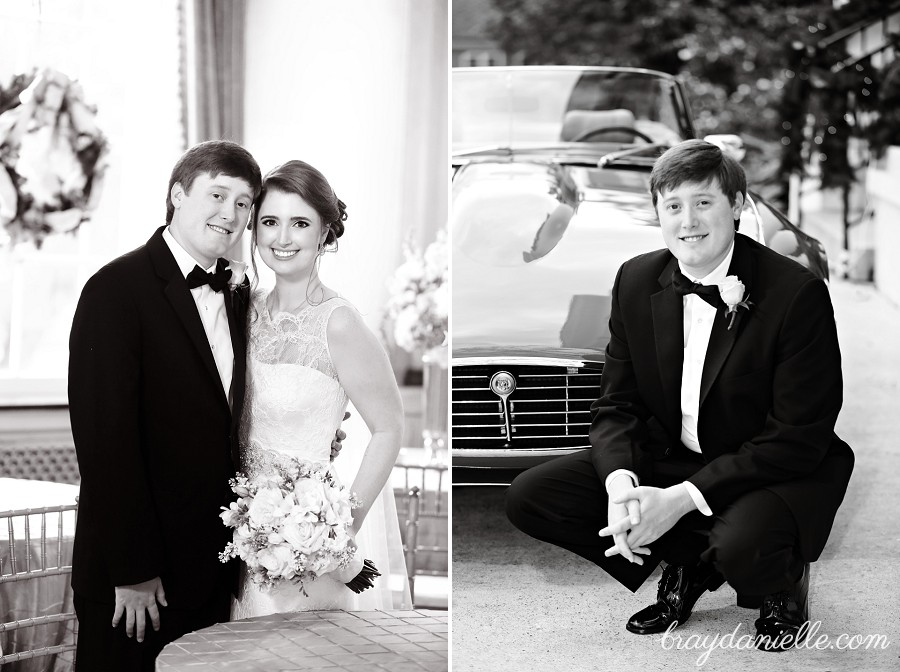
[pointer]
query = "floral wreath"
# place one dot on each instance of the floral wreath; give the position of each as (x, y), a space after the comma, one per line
(50, 157)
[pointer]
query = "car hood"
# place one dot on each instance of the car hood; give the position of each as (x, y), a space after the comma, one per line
(536, 248)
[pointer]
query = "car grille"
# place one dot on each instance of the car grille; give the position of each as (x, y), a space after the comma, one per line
(550, 407)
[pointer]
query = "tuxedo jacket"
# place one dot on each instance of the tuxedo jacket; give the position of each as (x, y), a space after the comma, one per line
(154, 433)
(770, 392)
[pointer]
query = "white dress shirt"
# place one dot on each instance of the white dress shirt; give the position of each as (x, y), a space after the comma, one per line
(698, 324)
(211, 308)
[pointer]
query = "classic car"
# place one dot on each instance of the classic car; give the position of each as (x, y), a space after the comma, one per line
(549, 198)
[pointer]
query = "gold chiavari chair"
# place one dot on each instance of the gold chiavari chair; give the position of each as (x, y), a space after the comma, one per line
(35, 590)
(426, 525)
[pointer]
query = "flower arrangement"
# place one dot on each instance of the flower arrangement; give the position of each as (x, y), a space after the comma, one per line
(292, 523)
(51, 154)
(419, 306)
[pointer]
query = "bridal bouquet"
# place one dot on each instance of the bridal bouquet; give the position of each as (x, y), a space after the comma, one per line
(292, 524)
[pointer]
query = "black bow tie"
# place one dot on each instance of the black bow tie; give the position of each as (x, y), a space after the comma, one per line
(683, 286)
(217, 281)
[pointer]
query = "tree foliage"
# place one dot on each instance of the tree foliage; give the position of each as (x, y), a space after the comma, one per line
(746, 65)
(730, 55)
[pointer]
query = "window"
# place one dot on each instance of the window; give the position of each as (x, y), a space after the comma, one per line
(132, 77)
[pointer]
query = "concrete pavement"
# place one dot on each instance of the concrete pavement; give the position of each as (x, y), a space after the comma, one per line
(519, 604)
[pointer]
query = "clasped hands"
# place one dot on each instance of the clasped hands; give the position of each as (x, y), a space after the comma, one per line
(638, 516)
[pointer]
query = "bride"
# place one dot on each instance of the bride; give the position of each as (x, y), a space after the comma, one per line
(310, 352)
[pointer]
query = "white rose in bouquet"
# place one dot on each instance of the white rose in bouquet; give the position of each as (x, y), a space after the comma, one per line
(231, 515)
(298, 533)
(338, 509)
(306, 537)
(277, 560)
(268, 507)
(339, 542)
(314, 540)
(308, 496)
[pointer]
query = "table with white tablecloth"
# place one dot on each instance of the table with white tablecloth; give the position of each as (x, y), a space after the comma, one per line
(367, 641)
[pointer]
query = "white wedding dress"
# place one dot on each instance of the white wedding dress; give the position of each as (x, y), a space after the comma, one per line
(294, 404)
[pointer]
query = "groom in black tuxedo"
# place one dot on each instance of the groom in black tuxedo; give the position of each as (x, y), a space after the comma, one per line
(156, 385)
(713, 444)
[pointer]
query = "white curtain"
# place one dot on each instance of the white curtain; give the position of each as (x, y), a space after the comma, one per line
(358, 89)
(214, 65)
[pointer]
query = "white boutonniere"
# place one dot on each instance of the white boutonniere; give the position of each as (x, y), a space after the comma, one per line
(238, 273)
(734, 296)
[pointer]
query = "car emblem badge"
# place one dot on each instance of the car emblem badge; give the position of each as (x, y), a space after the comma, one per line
(503, 384)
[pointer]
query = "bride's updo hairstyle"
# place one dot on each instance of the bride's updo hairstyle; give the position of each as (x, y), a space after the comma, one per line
(298, 177)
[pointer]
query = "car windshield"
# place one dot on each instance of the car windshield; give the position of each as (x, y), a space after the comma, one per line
(529, 108)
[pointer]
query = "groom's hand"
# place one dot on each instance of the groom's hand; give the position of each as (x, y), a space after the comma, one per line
(660, 509)
(339, 436)
(623, 514)
(134, 600)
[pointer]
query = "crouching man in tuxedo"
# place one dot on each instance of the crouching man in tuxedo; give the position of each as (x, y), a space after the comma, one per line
(713, 444)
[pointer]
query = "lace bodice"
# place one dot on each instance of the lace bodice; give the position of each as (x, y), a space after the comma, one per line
(294, 402)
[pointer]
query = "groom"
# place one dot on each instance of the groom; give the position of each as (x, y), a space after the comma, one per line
(156, 386)
(713, 444)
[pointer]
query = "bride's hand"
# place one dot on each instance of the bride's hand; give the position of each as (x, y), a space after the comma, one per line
(354, 567)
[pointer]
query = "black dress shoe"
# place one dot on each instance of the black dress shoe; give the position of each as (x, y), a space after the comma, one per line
(780, 625)
(679, 589)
